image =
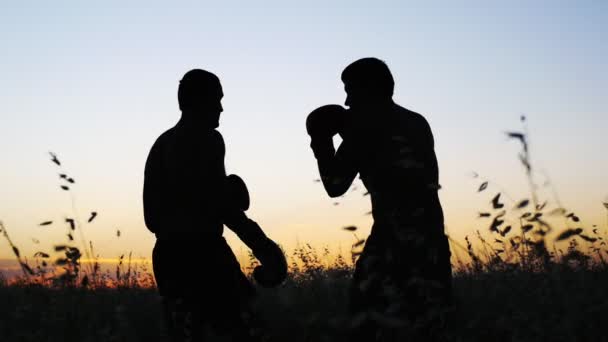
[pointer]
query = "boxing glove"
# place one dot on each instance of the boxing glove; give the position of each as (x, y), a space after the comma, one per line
(325, 121)
(273, 266)
(273, 269)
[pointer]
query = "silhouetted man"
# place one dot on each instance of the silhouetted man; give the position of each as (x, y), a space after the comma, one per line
(404, 271)
(187, 200)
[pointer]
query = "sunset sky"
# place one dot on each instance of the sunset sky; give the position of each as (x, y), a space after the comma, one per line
(96, 83)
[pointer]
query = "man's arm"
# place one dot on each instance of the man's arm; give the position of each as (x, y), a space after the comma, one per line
(236, 201)
(234, 217)
(206, 173)
(428, 154)
(337, 170)
(152, 186)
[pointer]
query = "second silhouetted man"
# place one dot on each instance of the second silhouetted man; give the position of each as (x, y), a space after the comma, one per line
(403, 276)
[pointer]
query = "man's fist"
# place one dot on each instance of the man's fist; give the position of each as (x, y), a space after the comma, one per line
(325, 121)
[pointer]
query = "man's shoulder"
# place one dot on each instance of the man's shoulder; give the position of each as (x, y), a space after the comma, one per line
(157, 149)
(212, 140)
(216, 136)
(409, 117)
(163, 139)
(178, 141)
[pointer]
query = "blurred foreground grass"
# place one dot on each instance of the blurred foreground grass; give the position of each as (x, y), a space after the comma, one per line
(562, 303)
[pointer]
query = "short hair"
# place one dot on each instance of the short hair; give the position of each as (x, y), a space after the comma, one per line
(371, 73)
(193, 85)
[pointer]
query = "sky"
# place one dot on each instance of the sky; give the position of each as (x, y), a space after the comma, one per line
(97, 83)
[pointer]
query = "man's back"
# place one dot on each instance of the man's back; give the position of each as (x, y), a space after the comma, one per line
(397, 164)
(182, 187)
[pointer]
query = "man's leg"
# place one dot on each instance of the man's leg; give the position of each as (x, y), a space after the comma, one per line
(427, 286)
(226, 323)
(363, 297)
(177, 318)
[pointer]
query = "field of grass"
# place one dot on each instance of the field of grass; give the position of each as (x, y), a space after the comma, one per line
(565, 302)
(512, 284)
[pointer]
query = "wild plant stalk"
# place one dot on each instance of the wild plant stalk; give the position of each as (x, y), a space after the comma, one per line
(606, 206)
(95, 262)
(556, 197)
(128, 275)
(525, 158)
(27, 271)
(75, 211)
(530, 245)
(81, 232)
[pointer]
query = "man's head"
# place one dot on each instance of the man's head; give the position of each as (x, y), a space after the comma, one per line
(367, 82)
(200, 97)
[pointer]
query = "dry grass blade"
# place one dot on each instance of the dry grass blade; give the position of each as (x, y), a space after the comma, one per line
(356, 253)
(541, 206)
(54, 158)
(496, 202)
(568, 233)
(524, 160)
(497, 222)
(517, 135)
(60, 248)
(522, 204)
(27, 268)
(557, 211)
(573, 217)
(71, 223)
(521, 137)
(587, 238)
(92, 217)
(61, 261)
(358, 243)
(526, 228)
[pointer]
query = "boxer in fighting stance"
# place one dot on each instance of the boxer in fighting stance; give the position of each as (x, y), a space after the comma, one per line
(187, 200)
(404, 271)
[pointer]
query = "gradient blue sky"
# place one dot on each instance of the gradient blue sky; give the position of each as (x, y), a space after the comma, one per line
(96, 83)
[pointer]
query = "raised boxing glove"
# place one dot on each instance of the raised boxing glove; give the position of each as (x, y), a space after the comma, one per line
(325, 121)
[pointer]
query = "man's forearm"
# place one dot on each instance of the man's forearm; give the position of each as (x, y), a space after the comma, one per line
(336, 169)
(246, 229)
(323, 148)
